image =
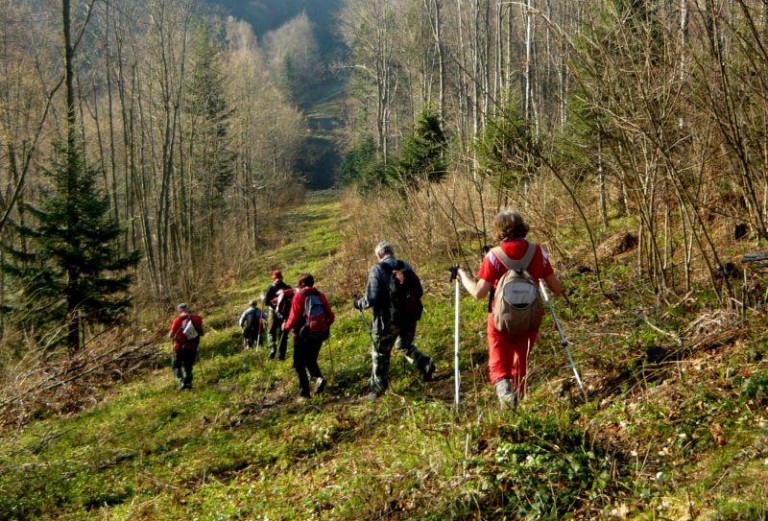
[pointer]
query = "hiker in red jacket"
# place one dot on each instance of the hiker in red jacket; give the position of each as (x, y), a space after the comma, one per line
(508, 352)
(186, 330)
(310, 320)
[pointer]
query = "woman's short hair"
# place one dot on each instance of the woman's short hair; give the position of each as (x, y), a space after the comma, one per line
(510, 225)
(384, 248)
(305, 280)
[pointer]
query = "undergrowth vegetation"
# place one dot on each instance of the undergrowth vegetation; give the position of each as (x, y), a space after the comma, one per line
(672, 424)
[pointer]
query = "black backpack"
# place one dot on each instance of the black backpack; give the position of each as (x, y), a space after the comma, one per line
(405, 293)
(252, 321)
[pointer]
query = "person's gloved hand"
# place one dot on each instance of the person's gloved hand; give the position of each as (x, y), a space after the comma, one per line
(358, 303)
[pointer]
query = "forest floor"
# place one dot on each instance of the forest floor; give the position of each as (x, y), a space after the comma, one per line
(673, 425)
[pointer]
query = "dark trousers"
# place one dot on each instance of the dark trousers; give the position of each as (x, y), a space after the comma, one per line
(278, 339)
(251, 335)
(305, 354)
(401, 338)
(183, 360)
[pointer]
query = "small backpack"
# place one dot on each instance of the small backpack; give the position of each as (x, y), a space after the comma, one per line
(252, 321)
(316, 322)
(284, 300)
(517, 305)
(405, 293)
(188, 329)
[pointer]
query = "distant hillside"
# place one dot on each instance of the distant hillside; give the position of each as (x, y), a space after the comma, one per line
(267, 15)
(321, 160)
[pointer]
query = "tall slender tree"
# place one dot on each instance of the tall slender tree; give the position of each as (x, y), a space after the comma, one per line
(69, 273)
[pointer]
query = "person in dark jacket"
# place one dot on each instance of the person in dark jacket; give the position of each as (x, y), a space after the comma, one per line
(392, 327)
(185, 345)
(252, 324)
(310, 320)
(278, 342)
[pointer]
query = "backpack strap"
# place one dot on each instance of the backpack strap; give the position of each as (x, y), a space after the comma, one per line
(512, 264)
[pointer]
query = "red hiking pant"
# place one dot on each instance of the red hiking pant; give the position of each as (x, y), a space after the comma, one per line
(508, 355)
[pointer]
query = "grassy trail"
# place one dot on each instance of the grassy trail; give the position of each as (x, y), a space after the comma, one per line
(665, 432)
(239, 446)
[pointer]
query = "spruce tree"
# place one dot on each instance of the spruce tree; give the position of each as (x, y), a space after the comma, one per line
(362, 167)
(74, 273)
(422, 157)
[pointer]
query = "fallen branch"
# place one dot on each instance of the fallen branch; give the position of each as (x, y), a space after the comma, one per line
(674, 336)
(83, 369)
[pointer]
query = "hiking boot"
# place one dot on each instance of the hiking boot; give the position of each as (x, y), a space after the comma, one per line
(320, 385)
(508, 396)
(180, 385)
(428, 371)
(272, 353)
(508, 401)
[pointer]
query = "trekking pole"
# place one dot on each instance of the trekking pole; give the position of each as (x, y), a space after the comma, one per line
(261, 327)
(200, 363)
(456, 373)
(368, 326)
(563, 340)
(330, 356)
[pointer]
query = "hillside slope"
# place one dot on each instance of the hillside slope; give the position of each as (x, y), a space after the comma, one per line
(667, 431)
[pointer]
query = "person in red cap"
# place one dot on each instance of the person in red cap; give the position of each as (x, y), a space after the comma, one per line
(278, 340)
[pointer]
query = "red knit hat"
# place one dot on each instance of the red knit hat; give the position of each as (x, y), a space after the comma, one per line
(277, 274)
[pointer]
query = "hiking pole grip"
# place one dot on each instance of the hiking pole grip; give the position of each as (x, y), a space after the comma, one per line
(563, 340)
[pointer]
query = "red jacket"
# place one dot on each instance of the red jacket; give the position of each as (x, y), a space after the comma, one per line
(297, 307)
(179, 339)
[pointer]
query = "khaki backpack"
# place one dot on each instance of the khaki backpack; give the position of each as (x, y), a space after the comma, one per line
(517, 305)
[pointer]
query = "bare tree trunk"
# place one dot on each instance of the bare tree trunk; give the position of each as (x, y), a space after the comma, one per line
(74, 322)
(463, 91)
(602, 181)
(111, 119)
(528, 75)
(433, 10)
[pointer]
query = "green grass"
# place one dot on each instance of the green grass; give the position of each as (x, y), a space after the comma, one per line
(240, 447)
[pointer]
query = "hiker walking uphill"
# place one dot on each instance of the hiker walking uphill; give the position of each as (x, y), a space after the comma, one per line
(277, 297)
(252, 324)
(186, 330)
(510, 274)
(394, 292)
(310, 320)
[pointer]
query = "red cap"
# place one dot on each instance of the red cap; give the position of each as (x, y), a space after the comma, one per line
(277, 274)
